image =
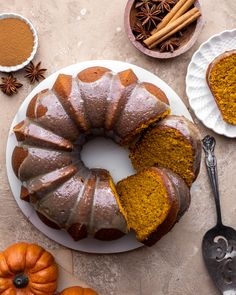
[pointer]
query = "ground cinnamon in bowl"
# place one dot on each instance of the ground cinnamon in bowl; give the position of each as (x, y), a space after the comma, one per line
(16, 41)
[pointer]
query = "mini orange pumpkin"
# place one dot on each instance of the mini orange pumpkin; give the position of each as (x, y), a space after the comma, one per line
(27, 269)
(78, 291)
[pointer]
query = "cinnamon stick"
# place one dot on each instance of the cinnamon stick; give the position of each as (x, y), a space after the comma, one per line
(183, 9)
(169, 27)
(169, 16)
(176, 29)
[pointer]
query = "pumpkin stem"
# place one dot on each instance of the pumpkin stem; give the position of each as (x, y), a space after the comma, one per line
(20, 281)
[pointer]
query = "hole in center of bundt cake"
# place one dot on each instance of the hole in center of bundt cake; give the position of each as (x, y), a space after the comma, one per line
(104, 153)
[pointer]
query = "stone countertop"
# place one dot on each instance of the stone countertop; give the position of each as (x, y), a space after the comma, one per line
(71, 31)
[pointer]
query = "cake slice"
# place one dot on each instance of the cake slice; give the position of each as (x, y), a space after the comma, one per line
(68, 92)
(121, 87)
(152, 203)
(106, 221)
(32, 134)
(145, 105)
(221, 79)
(61, 206)
(174, 143)
(47, 111)
(40, 185)
(95, 87)
(29, 162)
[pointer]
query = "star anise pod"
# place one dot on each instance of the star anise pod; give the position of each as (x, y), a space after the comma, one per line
(10, 85)
(141, 33)
(165, 5)
(148, 15)
(34, 73)
(140, 3)
(170, 44)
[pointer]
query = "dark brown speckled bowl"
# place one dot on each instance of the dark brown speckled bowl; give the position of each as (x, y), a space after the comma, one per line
(187, 40)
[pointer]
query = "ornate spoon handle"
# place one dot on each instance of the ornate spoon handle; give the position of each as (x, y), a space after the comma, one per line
(211, 165)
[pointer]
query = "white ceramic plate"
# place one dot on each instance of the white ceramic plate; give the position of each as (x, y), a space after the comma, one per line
(200, 98)
(35, 46)
(90, 245)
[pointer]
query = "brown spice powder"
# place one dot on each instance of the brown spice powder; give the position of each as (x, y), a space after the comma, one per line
(16, 41)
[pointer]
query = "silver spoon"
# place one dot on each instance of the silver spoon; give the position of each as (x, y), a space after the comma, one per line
(219, 243)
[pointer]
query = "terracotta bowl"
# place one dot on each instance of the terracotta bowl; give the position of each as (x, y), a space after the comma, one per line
(187, 40)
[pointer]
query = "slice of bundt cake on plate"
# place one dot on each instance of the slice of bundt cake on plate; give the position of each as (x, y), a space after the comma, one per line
(221, 79)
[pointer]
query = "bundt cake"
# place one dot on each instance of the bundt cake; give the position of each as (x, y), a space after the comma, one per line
(152, 201)
(221, 79)
(65, 193)
(174, 143)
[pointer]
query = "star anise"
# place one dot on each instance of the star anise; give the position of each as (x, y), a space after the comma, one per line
(148, 15)
(10, 85)
(142, 34)
(140, 3)
(34, 73)
(164, 5)
(170, 44)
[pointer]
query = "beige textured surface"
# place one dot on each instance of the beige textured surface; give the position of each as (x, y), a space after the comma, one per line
(76, 30)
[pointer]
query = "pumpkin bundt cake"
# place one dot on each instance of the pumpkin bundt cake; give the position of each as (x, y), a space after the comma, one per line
(152, 201)
(221, 79)
(173, 143)
(65, 193)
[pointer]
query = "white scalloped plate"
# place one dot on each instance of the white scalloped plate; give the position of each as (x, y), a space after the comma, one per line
(200, 98)
(90, 245)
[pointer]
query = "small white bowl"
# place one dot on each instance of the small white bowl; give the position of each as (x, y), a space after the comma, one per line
(35, 46)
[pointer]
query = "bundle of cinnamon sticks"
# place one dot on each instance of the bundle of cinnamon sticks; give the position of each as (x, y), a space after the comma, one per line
(178, 18)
